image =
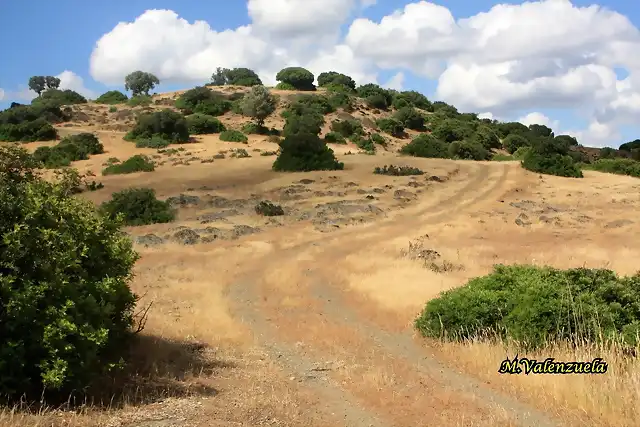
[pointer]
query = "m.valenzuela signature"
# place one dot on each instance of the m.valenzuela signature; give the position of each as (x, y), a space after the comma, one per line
(551, 366)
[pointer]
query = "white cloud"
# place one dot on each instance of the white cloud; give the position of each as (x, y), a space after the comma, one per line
(396, 82)
(510, 59)
(72, 81)
(1, 94)
(536, 118)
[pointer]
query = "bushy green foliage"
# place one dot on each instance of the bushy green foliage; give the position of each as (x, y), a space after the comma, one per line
(411, 98)
(397, 170)
(199, 124)
(137, 163)
(629, 146)
(30, 122)
(299, 78)
(259, 104)
(67, 308)
(369, 89)
(69, 149)
(319, 102)
(468, 150)
(302, 118)
(58, 97)
(341, 100)
(202, 100)
(607, 153)
(534, 305)
(445, 109)
(39, 84)
(347, 128)
(140, 83)
(426, 145)
(303, 152)
(514, 141)
(450, 130)
(266, 208)
(378, 139)
(285, 86)
(255, 129)
(139, 101)
(410, 118)
(166, 124)
(153, 142)
(550, 157)
(363, 143)
(377, 100)
(567, 140)
(138, 206)
(335, 137)
(232, 135)
(334, 78)
(521, 152)
(235, 76)
(512, 128)
(391, 126)
(487, 137)
(618, 166)
(541, 131)
(112, 97)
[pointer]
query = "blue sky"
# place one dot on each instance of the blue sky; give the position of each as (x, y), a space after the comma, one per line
(45, 38)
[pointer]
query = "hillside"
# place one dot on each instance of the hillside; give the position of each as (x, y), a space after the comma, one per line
(307, 318)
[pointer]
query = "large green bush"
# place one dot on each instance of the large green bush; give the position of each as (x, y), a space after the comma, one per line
(550, 157)
(426, 145)
(297, 77)
(302, 152)
(202, 100)
(166, 124)
(391, 126)
(66, 308)
(235, 76)
(137, 163)
(410, 118)
(59, 97)
(318, 102)
(618, 166)
(468, 150)
(69, 149)
(411, 98)
(534, 305)
(487, 137)
(450, 130)
(138, 206)
(232, 135)
(199, 124)
(514, 141)
(333, 78)
(30, 122)
(347, 128)
(375, 96)
(112, 97)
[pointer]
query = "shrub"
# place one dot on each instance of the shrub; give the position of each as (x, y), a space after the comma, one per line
(166, 124)
(267, 208)
(487, 137)
(199, 124)
(202, 100)
(137, 163)
(302, 150)
(377, 100)
(375, 96)
(59, 97)
(512, 128)
(607, 153)
(139, 101)
(426, 145)
(239, 153)
(299, 78)
(69, 149)
(378, 139)
(410, 118)
(318, 102)
(514, 141)
(411, 99)
(140, 83)
(468, 150)
(302, 118)
(341, 100)
(138, 206)
(30, 122)
(365, 144)
(285, 86)
(534, 305)
(113, 109)
(336, 79)
(67, 309)
(450, 130)
(550, 157)
(153, 142)
(232, 135)
(445, 109)
(618, 166)
(347, 128)
(391, 126)
(39, 83)
(335, 137)
(235, 76)
(397, 170)
(520, 153)
(112, 97)
(629, 146)
(259, 104)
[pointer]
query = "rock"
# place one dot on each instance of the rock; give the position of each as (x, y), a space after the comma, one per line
(351, 184)
(306, 181)
(524, 204)
(183, 200)
(243, 230)
(618, 223)
(415, 184)
(186, 237)
(435, 178)
(379, 190)
(216, 216)
(149, 240)
(522, 220)
(404, 194)
(361, 191)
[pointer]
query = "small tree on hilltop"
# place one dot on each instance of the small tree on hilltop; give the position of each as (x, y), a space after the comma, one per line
(297, 77)
(39, 84)
(235, 76)
(259, 104)
(140, 82)
(334, 78)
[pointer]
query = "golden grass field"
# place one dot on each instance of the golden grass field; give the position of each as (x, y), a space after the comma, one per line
(306, 320)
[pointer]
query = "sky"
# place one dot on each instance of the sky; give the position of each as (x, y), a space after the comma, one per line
(573, 66)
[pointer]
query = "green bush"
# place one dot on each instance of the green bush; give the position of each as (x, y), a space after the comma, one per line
(231, 135)
(378, 139)
(266, 208)
(112, 97)
(450, 130)
(67, 309)
(59, 97)
(69, 149)
(302, 118)
(521, 152)
(445, 109)
(138, 206)
(411, 99)
(285, 86)
(235, 76)
(534, 305)
(335, 138)
(618, 166)
(30, 122)
(137, 163)
(426, 145)
(347, 128)
(377, 100)
(297, 77)
(113, 109)
(332, 78)
(153, 142)
(199, 124)
(365, 144)
(341, 100)
(410, 118)
(375, 96)
(319, 102)
(468, 150)
(514, 141)
(202, 100)
(397, 170)
(166, 124)
(259, 104)
(391, 126)
(140, 82)
(551, 157)
(630, 146)
(487, 137)
(139, 101)
(607, 153)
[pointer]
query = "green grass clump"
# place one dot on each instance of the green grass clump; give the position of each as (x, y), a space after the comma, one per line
(232, 135)
(618, 166)
(137, 163)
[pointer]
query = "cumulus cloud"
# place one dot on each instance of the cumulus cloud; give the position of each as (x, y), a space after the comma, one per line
(509, 60)
(536, 118)
(396, 82)
(72, 81)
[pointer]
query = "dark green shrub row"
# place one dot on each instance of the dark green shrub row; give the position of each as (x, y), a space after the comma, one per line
(137, 163)
(165, 124)
(618, 166)
(112, 97)
(69, 149)
(267, 208)
(138, 206)
(397, 170)
(232, 135)
(199, 124)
